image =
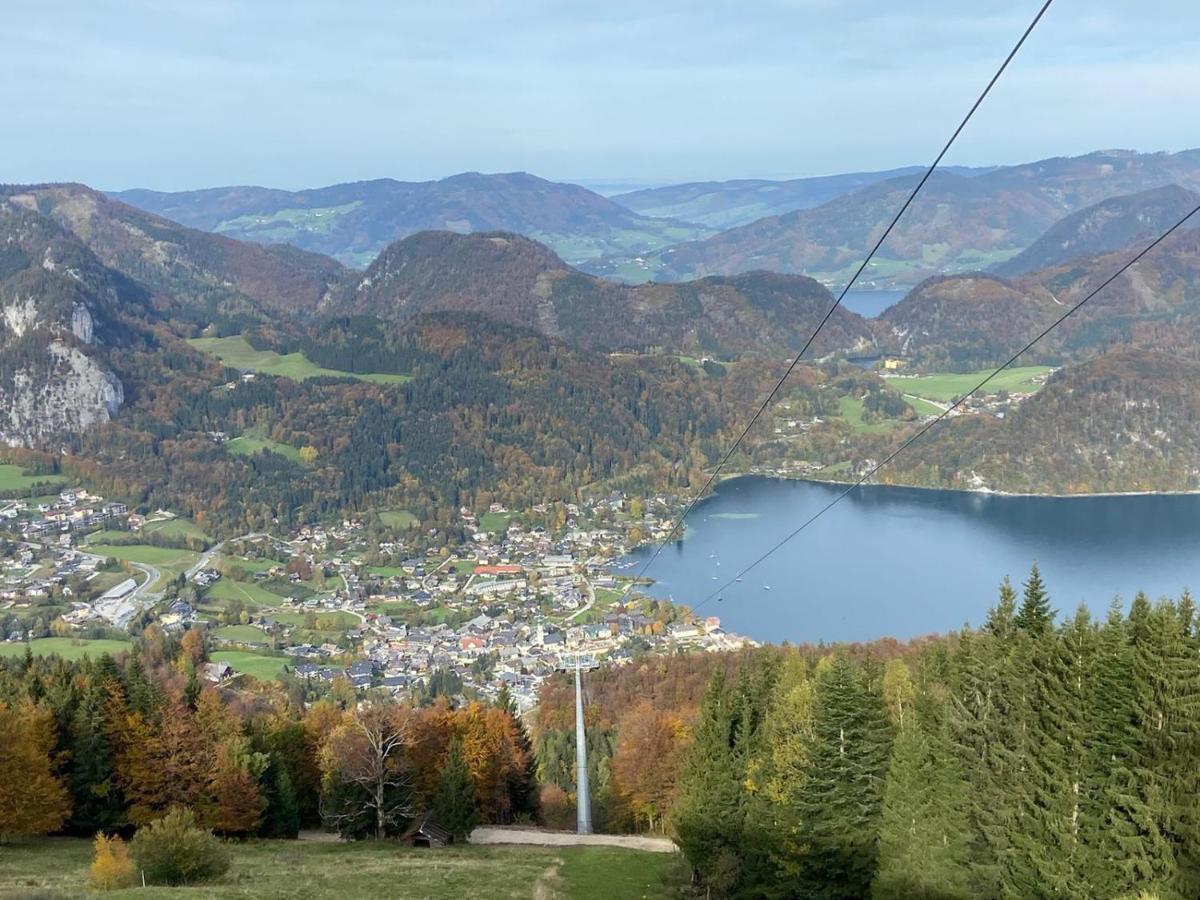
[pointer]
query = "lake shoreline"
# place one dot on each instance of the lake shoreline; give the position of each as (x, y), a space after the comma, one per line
(976, 492)
(890, 560)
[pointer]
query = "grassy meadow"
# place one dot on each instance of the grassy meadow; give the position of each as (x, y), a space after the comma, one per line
(170, 562)
(67, 648)
(235, 352)
(13, 478)
(945, 386)
(264, 668)
(53, 868)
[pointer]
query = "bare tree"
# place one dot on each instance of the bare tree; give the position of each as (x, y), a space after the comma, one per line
(367, 753)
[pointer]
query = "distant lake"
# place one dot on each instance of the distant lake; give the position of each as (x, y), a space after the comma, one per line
(906, 562)
(871, 303)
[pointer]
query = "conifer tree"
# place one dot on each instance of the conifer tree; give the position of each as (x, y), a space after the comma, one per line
(523, 782)
(988, 709)
(97, 804)
(1047, 859)
(1035, 614)
(454, 805)
(1127, 847)
(281, 816)
(708, 814)
(923, 839)
(839, 804)
(784, 761)
(1001, 618)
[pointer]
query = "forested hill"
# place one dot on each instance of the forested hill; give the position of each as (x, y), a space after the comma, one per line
(194, 275)
(513, 279)
(1125, 421)
(354, 222)
(727, 204)
(489, 411)
(957, 224)
(1108, 225)
(979, 320)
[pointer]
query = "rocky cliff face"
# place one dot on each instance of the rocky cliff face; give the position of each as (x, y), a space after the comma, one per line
(58, 308)
(66, 391)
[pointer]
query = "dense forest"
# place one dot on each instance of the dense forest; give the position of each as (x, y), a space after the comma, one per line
(1021, 760)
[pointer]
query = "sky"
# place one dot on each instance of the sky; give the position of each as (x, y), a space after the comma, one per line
(180, 94)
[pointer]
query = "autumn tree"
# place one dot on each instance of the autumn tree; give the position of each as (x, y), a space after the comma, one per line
(32, 798)
(646, 762)
(366, 778)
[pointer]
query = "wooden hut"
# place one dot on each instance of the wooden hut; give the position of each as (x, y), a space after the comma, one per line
(425, 832)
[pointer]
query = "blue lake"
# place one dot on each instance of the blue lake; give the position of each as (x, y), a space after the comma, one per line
(907, 562)
(871, 303)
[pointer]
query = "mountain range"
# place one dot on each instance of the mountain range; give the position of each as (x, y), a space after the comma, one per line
(958, 223)
(354, 222)
(966, 219)
(486, 353)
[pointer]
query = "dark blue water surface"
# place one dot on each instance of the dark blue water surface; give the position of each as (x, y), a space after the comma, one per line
(907, 562)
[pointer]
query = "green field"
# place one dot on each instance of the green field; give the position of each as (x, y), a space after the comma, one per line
(338, 618)
(386, 571)
(248, 565)
(242, 634)
(177, 527)
(251, 446)
(852, 412)
(249, 593)
(398, 518)
(495, 522)
(170, 562)
(235, 352)
(922, 407)
(67, 648)
(264, 668)
(282, 225)
(52, 868)
(13, 478)
(945, 386)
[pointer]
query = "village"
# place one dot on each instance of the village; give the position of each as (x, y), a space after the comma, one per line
(336, 607)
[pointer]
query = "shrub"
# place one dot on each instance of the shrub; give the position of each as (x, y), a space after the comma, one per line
(112, 868)
(558, 810)
(174, 850)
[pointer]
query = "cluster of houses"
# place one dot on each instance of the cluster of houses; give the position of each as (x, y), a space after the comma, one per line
(514, 606)
(74, 510)
(506, 608)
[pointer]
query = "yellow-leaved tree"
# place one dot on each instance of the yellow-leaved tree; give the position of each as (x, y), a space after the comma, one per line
(32, 799)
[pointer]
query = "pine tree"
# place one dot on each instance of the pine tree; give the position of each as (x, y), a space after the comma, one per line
(281, 818)
(1035, 614)
(97, 804)
(708, 814)
(1166, 692)
(523, 782)
(839, 804)
(454, 805)
(1127, 847)
(988, 709)
(923, 837)
(1047, 859)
